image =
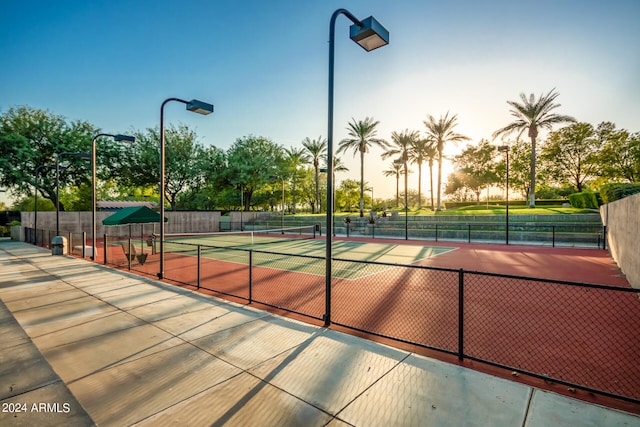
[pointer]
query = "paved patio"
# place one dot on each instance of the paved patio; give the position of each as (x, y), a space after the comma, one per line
(84, 345)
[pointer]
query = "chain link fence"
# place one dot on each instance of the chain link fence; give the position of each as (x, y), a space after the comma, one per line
(578, 334)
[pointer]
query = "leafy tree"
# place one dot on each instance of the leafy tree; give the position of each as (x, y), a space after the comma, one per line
(29, 138)
(619, 157)
(293, 162)
(519, 166)
(186, 162)
(28, 204)
(306, 184)
(251, 161)
(441, 132)
(362, 137)
(571, 154)
(424, 149)
(531, 115)
(316, 149)
(479, 167)
(347, 195)
(459, 186)
(402, 144)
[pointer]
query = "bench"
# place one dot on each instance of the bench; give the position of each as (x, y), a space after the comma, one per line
(133, 254)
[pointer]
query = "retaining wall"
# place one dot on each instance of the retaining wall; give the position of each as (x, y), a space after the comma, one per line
(622, 219)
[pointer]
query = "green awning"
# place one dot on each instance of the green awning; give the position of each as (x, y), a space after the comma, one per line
(133, 215)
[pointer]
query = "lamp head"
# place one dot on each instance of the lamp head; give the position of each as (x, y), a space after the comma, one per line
(200, 107)
(370, 34)
(124, 138)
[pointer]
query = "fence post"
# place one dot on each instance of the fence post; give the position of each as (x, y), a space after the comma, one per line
(469, 226)
(250, 276)
(199, 258)
(604, 237)
(553, 236)
(129, 255)
(461, 314)
(84, 244)
(104, 243)
(436, 231)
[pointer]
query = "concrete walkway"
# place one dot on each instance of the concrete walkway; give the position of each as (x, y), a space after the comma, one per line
(84, 345)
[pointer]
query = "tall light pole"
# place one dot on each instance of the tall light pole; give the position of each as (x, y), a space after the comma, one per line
(282, 216)
(64, 153)
(370, 35)
(35, 205)
(117, 138)
(197, 107)
(505, 149)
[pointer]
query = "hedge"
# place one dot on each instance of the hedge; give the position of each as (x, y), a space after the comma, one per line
(615, 191)
(539, 203)
(585, 200)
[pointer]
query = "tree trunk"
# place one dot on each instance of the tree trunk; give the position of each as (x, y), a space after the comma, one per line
(431, 181)
(532, 191)
(438, 208)
(397, 189)
(316, 207)
(420, 185)
(361, 183)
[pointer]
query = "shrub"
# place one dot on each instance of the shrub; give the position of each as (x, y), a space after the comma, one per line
(615, 191)
(584, 200)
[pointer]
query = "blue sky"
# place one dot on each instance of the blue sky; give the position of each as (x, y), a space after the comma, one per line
(264, 65)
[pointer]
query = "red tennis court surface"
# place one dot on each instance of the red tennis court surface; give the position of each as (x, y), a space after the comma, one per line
(581, 335)
(570, 264)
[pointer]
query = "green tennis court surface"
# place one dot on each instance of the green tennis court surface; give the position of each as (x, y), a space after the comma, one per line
(286, 259)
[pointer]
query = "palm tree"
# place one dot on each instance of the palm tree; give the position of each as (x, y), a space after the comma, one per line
(395, 170)
(531, 115)
(363, 136)
(338, 166)
(423, 149)
(403, 142)
(316, 149)
(294, 158)
(441, 132)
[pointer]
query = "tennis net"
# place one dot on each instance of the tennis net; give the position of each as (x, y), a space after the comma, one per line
(244, 238)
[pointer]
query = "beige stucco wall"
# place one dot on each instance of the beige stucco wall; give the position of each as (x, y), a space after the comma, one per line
(622, 219)
(76, 222)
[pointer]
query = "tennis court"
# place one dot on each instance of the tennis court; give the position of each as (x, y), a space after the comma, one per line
(282, 244)
(447, 299)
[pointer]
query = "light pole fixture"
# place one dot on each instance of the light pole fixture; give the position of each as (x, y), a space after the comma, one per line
(197, 107)
(64, 153)
(369, 34)
(505, 149)
(333, 201)
(282, 216)
(117, 138)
